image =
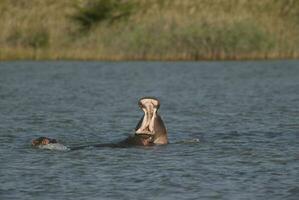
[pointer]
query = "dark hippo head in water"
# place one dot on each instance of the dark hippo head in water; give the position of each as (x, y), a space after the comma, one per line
(43, 141)
(151, 124)
(48, 143)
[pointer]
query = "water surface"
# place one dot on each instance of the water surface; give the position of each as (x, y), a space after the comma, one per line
(245, 115)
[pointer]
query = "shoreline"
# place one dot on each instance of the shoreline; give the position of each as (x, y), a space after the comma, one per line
(15, 54)
(153, 59)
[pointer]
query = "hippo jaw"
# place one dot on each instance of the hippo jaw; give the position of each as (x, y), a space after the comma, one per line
(151, 123)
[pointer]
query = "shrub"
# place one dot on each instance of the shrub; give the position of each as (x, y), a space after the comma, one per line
(95, 11)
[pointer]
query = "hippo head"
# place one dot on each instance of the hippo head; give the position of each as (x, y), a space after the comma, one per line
(151, 123)
(42, 141)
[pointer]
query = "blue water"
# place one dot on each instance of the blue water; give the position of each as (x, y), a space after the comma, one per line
(244, 114)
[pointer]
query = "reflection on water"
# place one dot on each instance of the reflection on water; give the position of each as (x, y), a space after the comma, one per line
(233, 128)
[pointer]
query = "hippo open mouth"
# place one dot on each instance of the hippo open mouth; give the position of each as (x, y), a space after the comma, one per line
(149, 106)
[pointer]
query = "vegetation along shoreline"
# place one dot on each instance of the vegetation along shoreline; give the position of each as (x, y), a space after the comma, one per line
(149, 30)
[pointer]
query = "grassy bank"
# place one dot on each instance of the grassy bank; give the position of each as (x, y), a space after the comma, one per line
(149, 29)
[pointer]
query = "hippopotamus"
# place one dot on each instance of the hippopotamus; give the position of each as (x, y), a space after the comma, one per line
(149, 131)
(48, 143)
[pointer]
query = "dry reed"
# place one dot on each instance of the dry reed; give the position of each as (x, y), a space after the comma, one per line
(154, 30)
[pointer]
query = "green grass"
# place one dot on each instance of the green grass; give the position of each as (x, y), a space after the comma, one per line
(149, 29)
